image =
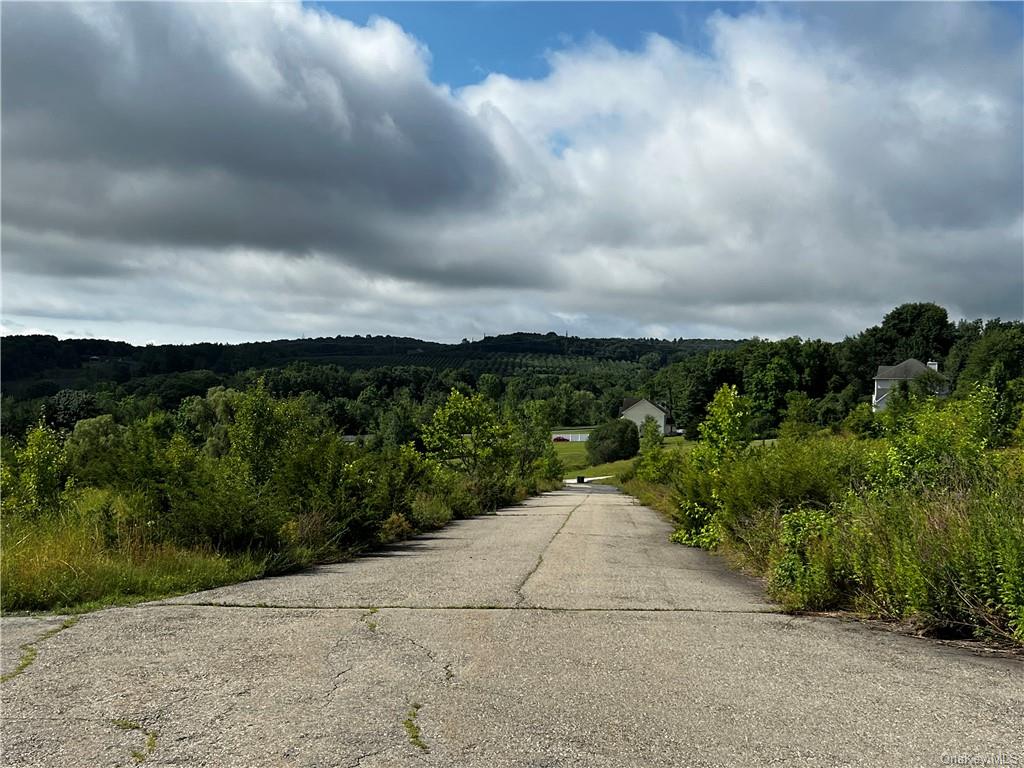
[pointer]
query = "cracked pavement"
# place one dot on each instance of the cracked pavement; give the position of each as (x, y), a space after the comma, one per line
(566, 630)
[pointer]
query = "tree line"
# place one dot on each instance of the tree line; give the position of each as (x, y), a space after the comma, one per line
(827, 382)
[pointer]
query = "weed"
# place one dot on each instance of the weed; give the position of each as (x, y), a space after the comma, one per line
(29, 650)
(370, 623)
(138, 755)
(412, 729)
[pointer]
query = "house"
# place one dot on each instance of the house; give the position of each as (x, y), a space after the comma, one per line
(889, 376)
(637, 410)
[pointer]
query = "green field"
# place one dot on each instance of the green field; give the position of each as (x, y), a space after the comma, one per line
(574, 458)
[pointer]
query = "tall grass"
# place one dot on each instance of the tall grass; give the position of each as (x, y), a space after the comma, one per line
(67, 564)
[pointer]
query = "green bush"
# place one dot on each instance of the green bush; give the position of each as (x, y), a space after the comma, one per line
(817, 472)
(430, 511)
(655, 463)
(804, 575)
(34, 477)
(925, 524)
(724, 436)
(612, 441)
(947, 559)
(934, 442)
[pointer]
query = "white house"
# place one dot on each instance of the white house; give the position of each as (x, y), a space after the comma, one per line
(889, 376)
(637, 410)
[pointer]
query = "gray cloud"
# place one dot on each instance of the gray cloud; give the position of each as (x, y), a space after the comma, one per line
(256, 171)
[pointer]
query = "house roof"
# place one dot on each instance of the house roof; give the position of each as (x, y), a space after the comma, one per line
(629, 402)
(907, 370)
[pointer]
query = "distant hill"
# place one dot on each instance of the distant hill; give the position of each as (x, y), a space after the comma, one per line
(37, 365)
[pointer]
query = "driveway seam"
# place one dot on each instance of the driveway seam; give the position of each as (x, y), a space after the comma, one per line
(594, 609)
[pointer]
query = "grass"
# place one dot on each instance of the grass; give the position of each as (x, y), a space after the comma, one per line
(62, 566)
(29, 650)
(138, 755)
(574, 456)
(370, 623)
(413, 730)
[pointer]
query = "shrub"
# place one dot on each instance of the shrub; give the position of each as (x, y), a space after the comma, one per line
(724, 435)
(612, 441)
(238, 484)
(655, 463)
(804, 574)
(861, 421)
(34, 476)
(935, 442)
(395, 528)
(925, 524)
(430, 511)
(817, 473)
(950, 559)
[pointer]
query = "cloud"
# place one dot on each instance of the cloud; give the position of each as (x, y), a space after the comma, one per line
(257, 171)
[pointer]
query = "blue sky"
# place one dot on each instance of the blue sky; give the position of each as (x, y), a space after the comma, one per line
(240, 171)
(469, 40)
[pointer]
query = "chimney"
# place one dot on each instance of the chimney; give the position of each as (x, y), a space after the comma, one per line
(933, 365)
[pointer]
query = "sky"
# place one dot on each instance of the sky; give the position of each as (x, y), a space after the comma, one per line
(181, 172)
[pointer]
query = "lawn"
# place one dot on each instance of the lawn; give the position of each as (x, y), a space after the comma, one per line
(574, 459)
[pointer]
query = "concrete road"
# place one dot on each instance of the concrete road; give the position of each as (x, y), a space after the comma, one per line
(566, 631)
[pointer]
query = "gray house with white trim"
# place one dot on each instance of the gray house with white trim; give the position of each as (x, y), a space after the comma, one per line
(889, 376)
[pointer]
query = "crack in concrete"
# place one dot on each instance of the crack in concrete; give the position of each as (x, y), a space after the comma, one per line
(29, 651)
(337, 682)
(366, 756)
(520, 597)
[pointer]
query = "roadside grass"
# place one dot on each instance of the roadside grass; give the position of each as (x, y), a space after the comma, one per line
(657, 496)
(62, 566)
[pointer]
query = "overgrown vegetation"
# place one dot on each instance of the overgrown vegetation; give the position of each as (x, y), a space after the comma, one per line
(923, 522)
(238, 484)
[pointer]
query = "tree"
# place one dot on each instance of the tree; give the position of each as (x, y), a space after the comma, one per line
(467, 433)
(654, 464)
(799, 416)
(919, 330)
(612, 441)
(68, 407)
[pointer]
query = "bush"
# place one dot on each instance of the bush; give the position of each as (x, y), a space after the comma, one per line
(804, 574)
(612, 441)
(429, 511)
(950, 559)
(814, 473)
(925, 524)
(238, 484)
(34, 477)
(724, 435)
(934, 442)
(655, 463)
